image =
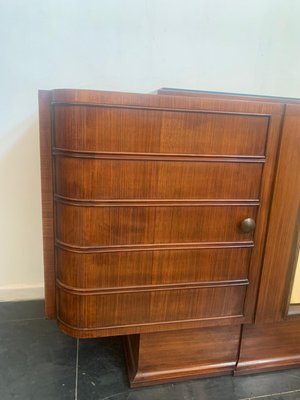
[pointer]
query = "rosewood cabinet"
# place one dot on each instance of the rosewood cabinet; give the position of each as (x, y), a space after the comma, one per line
(163, 221)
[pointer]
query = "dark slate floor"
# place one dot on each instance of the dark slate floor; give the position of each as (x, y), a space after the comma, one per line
(37, 362)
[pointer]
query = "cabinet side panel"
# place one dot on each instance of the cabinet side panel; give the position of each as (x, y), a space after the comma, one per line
(278, 268)
(47, 201)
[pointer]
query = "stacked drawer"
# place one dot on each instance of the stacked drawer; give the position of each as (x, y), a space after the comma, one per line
(149, 204)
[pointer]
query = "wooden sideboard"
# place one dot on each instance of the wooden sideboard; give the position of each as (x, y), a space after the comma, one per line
(163, 221)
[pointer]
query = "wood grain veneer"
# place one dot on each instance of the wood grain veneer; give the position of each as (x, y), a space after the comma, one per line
(92, 179)
(145, 307)
(138, 268)
(118, 128)
(269, 347)
(161, 357)
(143, 196)
(279, 261)
(147, 198)
(273, 345)
(227, 96)
(103, 226)
(47, 201)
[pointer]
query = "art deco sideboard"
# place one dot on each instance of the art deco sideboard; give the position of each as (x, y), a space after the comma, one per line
(172, 219)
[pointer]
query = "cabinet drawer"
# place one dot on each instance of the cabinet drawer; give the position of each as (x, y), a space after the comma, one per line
(113, 129)
(138, 308)
(80, 178)
(142, 268)
(135, 225)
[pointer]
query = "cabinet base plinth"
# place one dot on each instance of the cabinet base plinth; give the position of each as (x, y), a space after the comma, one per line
(163, 357)
(269, 347)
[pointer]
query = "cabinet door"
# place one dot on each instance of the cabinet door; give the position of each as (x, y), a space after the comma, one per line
(155, 201)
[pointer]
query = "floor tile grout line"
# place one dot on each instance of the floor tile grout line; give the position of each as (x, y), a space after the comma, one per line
(269, 395)
(76, 370)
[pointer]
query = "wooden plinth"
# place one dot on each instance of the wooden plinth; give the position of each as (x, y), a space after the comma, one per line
(269, 347)
(185, 354)
(154, 358)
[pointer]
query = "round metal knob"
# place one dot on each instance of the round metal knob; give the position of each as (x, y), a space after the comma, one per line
(247, 225)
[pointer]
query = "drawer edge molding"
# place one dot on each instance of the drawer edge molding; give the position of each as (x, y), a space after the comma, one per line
(154, 202)
(151, 247)
(200, 110)
(118, 330)
(221, 158)
(149, 288)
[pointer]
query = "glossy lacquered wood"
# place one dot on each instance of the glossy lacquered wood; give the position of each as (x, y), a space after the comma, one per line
(130, 129)
(268, 347)
(155, 358)
(152, 307)
(108, 225)
(272, 154)
(119, 179)
(227, 96)
(279, 261)
(47, 201)
(159, 186)
(119, 269)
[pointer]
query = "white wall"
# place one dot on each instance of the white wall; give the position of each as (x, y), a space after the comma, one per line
(131, 45)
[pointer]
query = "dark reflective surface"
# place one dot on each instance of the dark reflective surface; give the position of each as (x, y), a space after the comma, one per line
(37, 362)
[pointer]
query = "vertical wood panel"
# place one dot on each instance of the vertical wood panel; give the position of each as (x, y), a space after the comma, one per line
(47, 201)
(284, 225)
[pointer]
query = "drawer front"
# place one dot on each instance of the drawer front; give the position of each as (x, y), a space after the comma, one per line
(122, 225)
(111, 310)
(147, 268)
(113, 129)
(80, 178)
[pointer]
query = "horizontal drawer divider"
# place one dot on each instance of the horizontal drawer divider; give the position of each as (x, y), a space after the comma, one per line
(154, 246)
(150, 288)
(228, 319)
(151, 108)
(154, 202)
(158, 156)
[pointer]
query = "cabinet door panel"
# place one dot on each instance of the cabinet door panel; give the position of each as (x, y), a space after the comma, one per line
(149, 194)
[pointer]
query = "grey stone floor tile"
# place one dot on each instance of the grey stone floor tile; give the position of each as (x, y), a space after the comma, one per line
(178, 391)
(37, 362)
(265, 384)
(21, 310)
(282, 396)
(101, 368)
(294, 372)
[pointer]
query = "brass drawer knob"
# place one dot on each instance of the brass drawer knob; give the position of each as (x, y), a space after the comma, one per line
(247, 225)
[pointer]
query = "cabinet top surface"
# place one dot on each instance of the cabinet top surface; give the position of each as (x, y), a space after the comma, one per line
(250, 97)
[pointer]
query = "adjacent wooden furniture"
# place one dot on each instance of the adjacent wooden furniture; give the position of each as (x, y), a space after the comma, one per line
(159, 218)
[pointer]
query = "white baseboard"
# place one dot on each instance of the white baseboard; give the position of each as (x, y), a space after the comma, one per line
(21, 292)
